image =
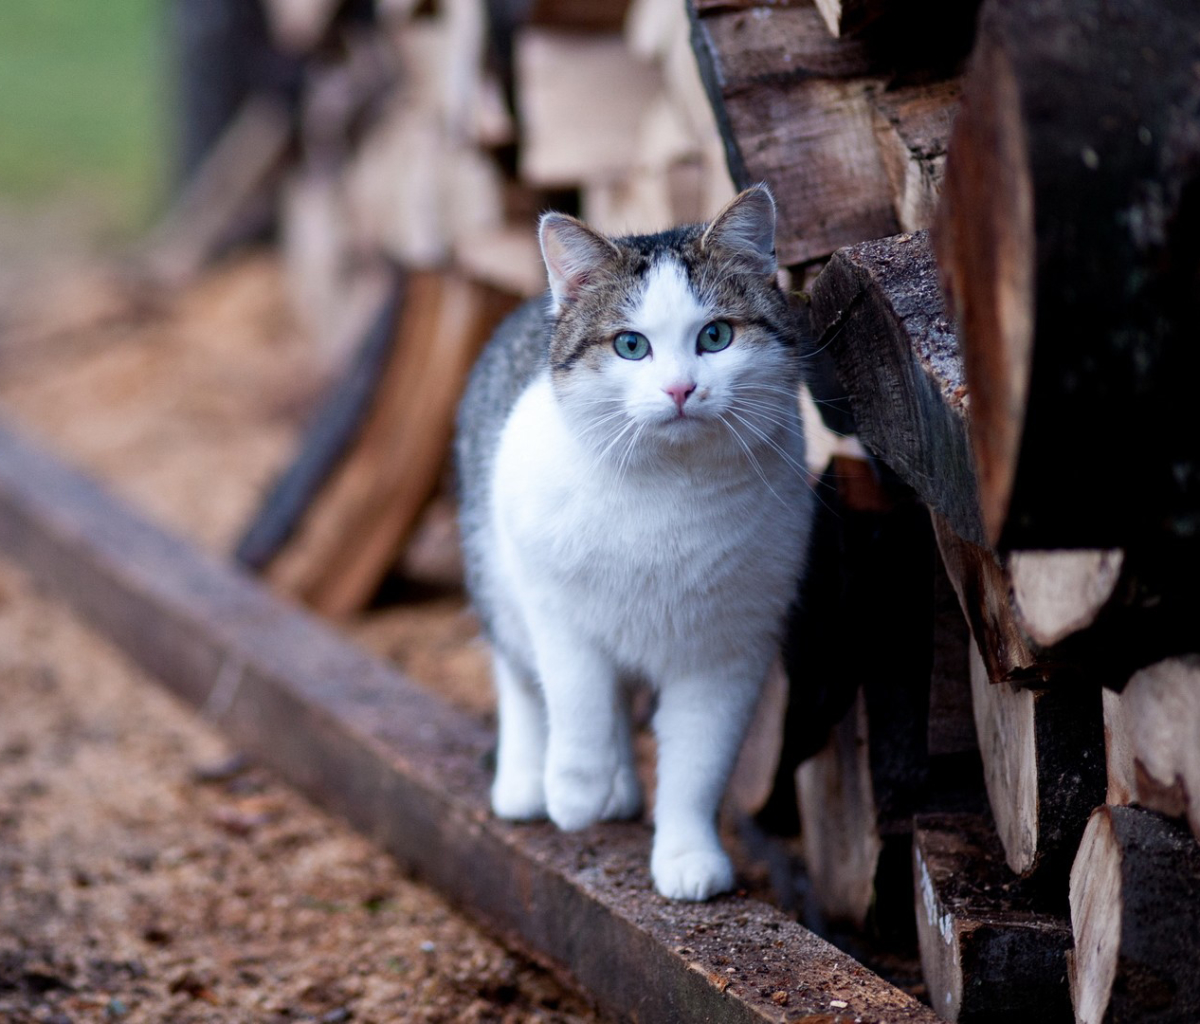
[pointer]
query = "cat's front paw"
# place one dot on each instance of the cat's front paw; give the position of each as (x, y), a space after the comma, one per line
(625, 800)
(577, 797)
(692, 874)
(519, 796)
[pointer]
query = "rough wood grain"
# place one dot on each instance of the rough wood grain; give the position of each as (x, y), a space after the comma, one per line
(1135, 915)
(357, 737)
(992, 951)
(1067, 235)
(879, 307)
(1043, 763)
(1058, 593)
(912, 127)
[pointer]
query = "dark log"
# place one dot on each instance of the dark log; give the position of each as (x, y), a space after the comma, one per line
(992, 951)
(332, 429)
(1069, 236)
(407, 770)
(951, 722)
(879, 308)
(1135, 914)
(912, 127)
(846, 17)
(1043, 764)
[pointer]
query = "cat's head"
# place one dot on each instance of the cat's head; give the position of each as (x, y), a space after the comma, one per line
(676, 337)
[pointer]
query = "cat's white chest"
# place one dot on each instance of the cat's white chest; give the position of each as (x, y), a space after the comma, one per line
(660, 566)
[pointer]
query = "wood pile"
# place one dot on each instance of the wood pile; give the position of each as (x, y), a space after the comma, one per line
(407, 173)
(997, 225)
(1015, 376)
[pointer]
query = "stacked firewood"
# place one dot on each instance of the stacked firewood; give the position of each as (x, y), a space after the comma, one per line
(407, 170)
(1017, 754)
(1008, 773)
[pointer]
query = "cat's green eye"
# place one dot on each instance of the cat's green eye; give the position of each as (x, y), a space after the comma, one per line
(631, 345)
(714, 336)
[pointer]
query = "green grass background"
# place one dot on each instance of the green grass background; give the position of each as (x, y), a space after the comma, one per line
(83, 105)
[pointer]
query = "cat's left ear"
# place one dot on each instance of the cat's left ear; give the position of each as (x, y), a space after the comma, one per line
(746, 227)
(574, 255)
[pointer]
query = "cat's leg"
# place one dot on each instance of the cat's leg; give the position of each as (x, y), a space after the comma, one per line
(518, 792)
(583, 747)
(700, 724)
(626, 800)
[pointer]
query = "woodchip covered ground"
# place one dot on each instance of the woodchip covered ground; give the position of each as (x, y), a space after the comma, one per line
(146, 872)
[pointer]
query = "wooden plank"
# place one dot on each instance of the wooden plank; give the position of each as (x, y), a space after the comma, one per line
(357, 737)
(1043, 763)
(1067, 242)
(1135, 914)
(992, 950)
(846, 17)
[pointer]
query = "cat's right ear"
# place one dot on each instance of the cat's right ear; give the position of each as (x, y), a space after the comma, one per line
(574, 255)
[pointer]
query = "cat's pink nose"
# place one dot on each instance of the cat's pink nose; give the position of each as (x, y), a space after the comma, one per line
(679, 393)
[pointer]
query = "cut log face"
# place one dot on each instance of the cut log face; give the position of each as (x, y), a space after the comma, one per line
(991, 951)
(1057, 593)
(1135, 915)
(1161, 707)
(1067, 238)
(1043, 764)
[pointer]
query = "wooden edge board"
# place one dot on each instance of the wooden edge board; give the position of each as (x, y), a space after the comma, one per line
(358, 738)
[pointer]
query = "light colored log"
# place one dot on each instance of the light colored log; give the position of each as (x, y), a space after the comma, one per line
(560, 76)
(1057, 593)
(1135, 915)
(1118, 751)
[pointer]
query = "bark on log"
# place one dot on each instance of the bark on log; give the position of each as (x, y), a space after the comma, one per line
(880, 310)
(1043, 764)
(991, 950)
(1068, 239)
(1135, 914)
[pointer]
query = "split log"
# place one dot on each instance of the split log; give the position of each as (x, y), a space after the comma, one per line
(228, 188)
(560, 74)
(299, 25)
(991, 950)
(1043, 764)
(371, 320)
(1135, 914)
(358, 524)
(1161, 707)
(792, 106)
(1067, 236)
(951, 721)
(1118, 752)
(879, 308)
(912, 127)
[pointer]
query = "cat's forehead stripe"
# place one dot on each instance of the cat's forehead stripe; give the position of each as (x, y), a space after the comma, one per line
(667, 298)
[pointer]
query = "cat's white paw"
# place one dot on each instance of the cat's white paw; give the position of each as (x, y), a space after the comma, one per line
(692, 874)
(519, 796)
(577, 797)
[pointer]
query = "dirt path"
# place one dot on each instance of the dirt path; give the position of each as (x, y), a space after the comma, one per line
(145, 873)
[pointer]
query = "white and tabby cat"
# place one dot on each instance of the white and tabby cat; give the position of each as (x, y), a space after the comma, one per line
(634, 511)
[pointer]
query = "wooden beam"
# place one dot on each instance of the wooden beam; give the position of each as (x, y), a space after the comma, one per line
(407, 770)
(1135, 914)
(1067, 235)
(992, 950)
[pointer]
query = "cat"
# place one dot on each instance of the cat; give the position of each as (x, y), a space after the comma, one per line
(634, 509)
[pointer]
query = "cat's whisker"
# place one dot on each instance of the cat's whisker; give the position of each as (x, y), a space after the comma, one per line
(753, 459)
